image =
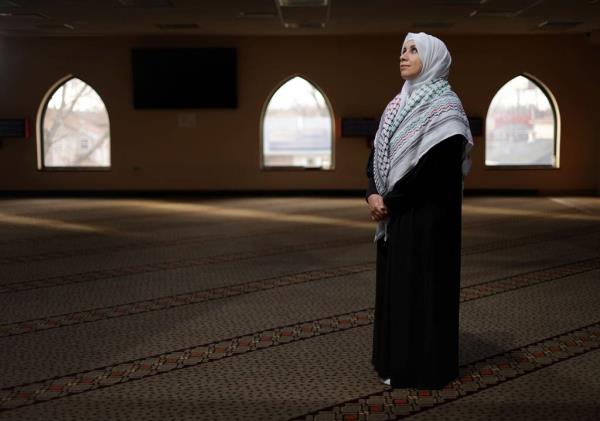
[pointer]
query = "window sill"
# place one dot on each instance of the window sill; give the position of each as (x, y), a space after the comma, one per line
(75, 169)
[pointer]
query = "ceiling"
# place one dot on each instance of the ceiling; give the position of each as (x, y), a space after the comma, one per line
(295, 17)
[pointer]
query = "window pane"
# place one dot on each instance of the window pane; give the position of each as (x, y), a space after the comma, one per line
(520, 126)
(76, 131)
(297, 127)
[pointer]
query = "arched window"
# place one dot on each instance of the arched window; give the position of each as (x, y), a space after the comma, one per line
(297, 127)
(522, 126)
(73, 127)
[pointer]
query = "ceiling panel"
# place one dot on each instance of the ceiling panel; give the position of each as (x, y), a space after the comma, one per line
(264, 17)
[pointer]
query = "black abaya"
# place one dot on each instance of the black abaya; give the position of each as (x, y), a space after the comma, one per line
(415, 338)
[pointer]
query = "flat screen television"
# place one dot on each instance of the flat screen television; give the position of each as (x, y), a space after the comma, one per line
(184, 78)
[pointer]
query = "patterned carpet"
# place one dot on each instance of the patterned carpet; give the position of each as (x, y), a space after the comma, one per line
(262, 309)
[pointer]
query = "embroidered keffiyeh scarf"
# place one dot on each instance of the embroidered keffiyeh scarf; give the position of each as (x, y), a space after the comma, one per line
(422, 115)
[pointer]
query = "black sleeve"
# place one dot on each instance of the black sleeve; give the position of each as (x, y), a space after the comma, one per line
(371, 188)
(425, 177)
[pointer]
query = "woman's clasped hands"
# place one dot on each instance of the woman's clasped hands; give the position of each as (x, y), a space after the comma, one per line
(378, 209)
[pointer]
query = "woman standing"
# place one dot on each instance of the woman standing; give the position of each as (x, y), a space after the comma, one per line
(415, 193)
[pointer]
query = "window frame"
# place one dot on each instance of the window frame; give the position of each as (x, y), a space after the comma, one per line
(266, 103)
(556, 113)
(41, 115)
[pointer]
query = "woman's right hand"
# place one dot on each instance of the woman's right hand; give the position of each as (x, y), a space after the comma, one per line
(378, 209)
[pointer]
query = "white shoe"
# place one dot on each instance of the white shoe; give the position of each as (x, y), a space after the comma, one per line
(385, 381)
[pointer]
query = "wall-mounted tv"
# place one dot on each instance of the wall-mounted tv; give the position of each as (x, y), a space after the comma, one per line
(184, 78)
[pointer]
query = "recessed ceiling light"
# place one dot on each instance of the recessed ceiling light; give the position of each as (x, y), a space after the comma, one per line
(298, 25)
(303, 13)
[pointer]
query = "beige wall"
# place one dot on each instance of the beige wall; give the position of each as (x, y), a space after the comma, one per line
(358, 74)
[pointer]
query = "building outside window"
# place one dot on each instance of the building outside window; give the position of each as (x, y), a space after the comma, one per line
(522, 126)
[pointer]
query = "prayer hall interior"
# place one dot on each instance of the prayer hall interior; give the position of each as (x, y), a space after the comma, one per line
(183, 227)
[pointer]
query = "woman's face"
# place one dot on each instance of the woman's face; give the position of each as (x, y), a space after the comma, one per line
(410, 62)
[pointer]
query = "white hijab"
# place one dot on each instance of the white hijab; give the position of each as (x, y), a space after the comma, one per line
(434, 56)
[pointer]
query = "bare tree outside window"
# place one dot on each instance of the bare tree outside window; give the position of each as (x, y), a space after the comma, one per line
(521, 126)
(297, 127)
(75, 128)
